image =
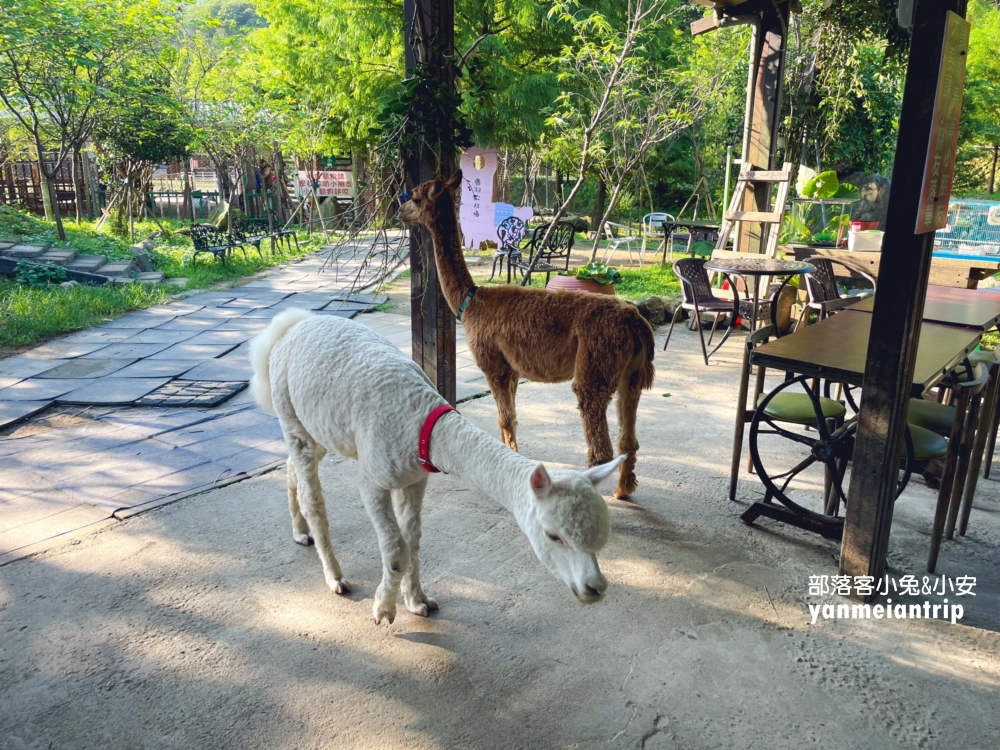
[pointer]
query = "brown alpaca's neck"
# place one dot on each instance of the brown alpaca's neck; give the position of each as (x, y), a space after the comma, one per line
(456, 282)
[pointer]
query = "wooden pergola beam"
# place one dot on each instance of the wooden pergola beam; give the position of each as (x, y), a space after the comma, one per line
(897, 315)
(431, 34)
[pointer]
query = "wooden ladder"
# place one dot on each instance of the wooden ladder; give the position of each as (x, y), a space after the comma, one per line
(752, 176)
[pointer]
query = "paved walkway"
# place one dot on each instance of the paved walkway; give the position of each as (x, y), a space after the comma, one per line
(72, 466)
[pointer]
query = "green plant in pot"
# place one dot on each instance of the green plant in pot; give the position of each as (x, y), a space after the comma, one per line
(593, 277)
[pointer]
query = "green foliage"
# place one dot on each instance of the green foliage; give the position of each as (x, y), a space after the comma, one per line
(35, 275)
(599, 272)
(29, 315)
(146, 124)
(82, 237)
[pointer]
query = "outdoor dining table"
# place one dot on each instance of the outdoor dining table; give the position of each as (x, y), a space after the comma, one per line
(756, 268)
(835, 350)
(702, 230)
(970, 308)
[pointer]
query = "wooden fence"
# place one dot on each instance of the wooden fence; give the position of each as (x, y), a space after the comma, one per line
(21, 185)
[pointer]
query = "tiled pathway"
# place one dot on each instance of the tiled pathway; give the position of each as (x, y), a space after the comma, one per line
(86, 458)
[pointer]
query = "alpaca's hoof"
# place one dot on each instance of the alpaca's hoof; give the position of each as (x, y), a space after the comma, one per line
(622, 495)
(304, 539)
(422, 608)
(340, 586)
(383, 612)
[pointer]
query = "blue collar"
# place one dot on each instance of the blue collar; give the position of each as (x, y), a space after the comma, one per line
(465, 303)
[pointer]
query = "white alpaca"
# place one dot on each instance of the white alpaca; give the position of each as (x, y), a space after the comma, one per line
(336, 385)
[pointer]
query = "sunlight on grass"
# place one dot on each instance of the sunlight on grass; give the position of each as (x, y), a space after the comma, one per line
(656, 280)
(30, 315)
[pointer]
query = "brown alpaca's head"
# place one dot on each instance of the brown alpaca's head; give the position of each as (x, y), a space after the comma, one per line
(431, 200)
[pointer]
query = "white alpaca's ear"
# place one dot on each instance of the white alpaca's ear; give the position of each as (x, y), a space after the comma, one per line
(540, 482)
(595, 474)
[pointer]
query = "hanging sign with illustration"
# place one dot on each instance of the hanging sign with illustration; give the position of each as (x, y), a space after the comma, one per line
(478, 214)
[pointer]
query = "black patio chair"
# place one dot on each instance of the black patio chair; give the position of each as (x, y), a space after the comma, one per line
(698, 297)
(276, 233)
(821, 286)
(244, 233)
(208, 238)
(510, 233)
(552, 258)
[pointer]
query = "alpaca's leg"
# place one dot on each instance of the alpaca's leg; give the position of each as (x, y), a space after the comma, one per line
(502, 380)
(407, 503)
(505, 394)
(300, 529)
(304, 456)
(628, 444)
(593, 401)
(395, 552)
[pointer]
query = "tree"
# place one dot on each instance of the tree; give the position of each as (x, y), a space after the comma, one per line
(57, 58)
(135, 135)
(981, 107)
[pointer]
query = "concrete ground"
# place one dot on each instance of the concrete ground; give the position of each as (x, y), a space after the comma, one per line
(202, 625)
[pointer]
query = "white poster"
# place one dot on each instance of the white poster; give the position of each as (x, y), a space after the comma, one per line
(479, 215)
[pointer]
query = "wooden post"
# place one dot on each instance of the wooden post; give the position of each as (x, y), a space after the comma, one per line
(429, 31)
(899, 304)
(762, 113)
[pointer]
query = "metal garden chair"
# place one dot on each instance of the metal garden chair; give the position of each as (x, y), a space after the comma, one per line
(821, 286)
(652, 226)
(510, 232)
(698, 297)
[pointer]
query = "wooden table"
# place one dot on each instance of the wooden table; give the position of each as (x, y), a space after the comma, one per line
(947, 269)
(968, 308)
(834, 349)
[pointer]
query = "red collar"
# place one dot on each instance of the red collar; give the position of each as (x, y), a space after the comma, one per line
(425, 436)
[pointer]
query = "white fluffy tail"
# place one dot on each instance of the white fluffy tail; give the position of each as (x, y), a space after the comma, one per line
(260, 353)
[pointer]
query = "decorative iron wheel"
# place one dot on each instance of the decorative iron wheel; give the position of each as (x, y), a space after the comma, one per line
(816, 471)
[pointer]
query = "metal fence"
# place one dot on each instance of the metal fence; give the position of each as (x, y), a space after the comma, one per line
(973, 228)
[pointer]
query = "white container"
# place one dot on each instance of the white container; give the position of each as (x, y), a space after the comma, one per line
(867, 241)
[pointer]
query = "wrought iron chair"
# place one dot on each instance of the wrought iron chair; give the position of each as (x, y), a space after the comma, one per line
(510, 233)
(208, 238)
(821, 286)
(243, 233)
(558, 248)
(698, 297)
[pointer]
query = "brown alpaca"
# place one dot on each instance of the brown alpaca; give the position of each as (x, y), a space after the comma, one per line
(599, 342)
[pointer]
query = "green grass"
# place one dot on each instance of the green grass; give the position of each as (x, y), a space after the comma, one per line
(655, 280)
(83, 237)
(172, 255)
(637, 283)
(30, 315)
(175, 260)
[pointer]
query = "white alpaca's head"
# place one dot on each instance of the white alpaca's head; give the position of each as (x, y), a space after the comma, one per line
(569, 523)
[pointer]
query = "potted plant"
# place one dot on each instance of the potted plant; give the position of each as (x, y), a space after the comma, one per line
(593, 277)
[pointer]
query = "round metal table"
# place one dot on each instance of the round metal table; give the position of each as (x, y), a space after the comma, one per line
(758, 268)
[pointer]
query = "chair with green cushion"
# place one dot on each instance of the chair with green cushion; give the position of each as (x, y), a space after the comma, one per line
(931, 415)
(927, 444)
(797, 408)
(965, 426)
